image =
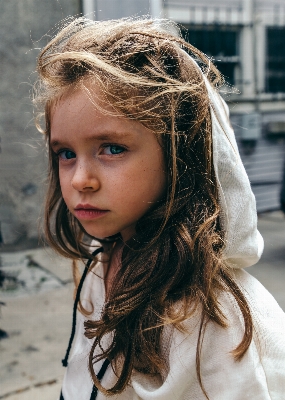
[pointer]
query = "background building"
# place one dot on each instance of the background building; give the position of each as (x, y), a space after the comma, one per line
(245, 38)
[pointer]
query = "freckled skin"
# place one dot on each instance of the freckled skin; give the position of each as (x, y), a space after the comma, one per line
(111, 163)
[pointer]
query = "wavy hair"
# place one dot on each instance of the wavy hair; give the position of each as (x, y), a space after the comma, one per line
(173, 267)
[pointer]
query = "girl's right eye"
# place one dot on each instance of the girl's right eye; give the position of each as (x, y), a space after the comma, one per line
(66, 154)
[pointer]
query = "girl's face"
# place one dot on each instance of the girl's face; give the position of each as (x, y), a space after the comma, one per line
(111, 169)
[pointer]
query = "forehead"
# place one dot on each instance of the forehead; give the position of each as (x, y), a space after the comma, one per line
(85, 114)
(78, 103)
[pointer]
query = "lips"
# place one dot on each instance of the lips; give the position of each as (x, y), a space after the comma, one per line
(86, 211)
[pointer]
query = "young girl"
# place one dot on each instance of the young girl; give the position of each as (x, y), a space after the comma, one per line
(143, 164)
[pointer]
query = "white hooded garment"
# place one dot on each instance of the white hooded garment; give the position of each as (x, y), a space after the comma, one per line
(260, 374)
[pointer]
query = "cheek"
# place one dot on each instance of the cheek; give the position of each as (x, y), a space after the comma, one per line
(64, 182)
(145, 186)
(61, 179)
(160, 183)
(156, 177)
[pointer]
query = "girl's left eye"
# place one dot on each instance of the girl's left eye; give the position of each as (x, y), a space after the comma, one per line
(113, 149)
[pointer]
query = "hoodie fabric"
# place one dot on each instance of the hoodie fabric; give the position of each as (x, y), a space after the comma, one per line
(260, 375)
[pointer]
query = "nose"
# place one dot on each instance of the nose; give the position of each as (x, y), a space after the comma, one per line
(85, 179)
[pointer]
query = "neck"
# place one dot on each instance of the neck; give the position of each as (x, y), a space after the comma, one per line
(113, 265)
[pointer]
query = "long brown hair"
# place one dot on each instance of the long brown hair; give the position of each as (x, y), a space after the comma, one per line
(173, 267)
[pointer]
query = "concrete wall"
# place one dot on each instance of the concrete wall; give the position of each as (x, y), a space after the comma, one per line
(23, 25)
(113, 9)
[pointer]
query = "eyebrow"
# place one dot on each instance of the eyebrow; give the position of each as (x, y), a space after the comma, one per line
(108, 135)
(99, 137)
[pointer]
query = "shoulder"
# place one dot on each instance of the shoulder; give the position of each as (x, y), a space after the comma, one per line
(269, 329)
(265, 310)
(261, 371)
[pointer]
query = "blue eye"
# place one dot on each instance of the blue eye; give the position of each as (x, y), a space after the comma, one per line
(114, 149)
(66, 154)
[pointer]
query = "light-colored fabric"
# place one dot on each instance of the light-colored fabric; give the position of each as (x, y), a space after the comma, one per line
(260, 375)
(243, 242)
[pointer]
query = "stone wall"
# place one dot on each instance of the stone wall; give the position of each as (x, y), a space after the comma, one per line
(25, 26)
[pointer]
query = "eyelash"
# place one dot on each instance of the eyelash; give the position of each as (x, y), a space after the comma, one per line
(60, 153)
(122, 148)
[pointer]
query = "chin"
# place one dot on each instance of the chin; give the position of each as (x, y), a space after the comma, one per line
(101, 236)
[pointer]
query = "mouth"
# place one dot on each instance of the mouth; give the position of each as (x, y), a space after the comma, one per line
(86, 211)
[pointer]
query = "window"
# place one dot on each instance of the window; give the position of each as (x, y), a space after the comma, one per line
(219, 43)
(275, 65)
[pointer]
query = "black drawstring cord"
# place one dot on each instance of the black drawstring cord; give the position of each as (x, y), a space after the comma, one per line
(77, 298)
(76, 301)
(99, 376)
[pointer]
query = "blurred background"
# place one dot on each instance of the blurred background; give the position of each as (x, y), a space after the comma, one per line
(246, 41)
